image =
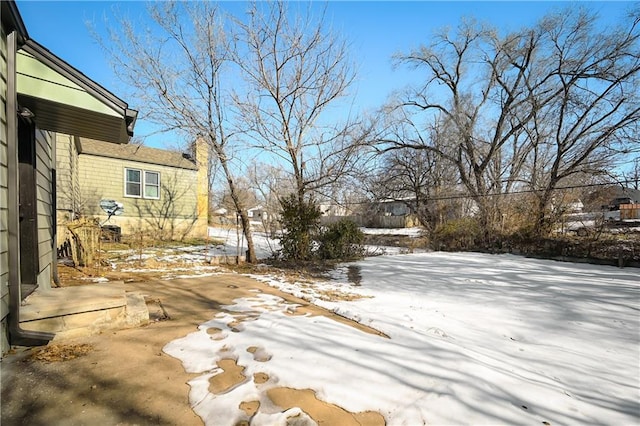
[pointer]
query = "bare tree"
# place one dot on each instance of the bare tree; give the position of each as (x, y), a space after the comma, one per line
(632, 176)
(526, 109)
(169, 214)
(272, 184)
(477, 103)
(244, 192)
(175, 69)
(296, 71)
(592, 121)
(415, 177)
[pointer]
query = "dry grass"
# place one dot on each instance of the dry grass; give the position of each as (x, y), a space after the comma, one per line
(61, 352)
(335, 295)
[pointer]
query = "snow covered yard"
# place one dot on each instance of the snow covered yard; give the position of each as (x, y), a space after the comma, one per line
(474, 339)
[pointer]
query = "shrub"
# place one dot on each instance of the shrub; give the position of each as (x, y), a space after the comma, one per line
(300, 222)
(341, 241)
(457, 234)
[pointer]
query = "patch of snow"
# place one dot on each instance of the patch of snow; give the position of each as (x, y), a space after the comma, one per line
(575, 225)
(371, 250)
(171, 272)
(235, 243)
(475, 339)
(409, 232)
(96, 279)
(137, 257)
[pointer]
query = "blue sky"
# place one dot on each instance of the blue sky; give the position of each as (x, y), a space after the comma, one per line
(375, 30)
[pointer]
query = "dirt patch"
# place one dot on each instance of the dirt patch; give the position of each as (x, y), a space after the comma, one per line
(215, 333)
(313, 310)
(320, 411)
(260, 378)
(130, 272)
(296, 311)
(61, 352)
(237, 326)
(232, 375)
(127, 378)
(71, 276)
(300, 270)
(250, 407)
(336, 295)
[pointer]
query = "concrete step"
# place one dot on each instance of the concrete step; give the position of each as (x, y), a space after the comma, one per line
(83, 310)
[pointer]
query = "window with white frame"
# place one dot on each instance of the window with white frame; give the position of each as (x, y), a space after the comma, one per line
(141, 184)
(132, 183)
(151, 185)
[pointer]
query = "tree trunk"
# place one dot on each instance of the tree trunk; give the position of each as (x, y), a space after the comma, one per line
(485, 220)
(541, 225)
(240, 211)
(246, 229)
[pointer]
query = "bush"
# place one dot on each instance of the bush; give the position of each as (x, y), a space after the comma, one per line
(301, 225)
(341, 241)
(524, 235)
(303, 239)
(457, 234)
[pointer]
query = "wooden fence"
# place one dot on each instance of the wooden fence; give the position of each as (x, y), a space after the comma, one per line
(629, 211)
(375, 221)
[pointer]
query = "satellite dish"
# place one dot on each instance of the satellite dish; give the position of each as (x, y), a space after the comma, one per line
(112, 208)
(107, 205)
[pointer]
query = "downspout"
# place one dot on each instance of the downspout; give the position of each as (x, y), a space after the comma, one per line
(54, 213)
(17, 335)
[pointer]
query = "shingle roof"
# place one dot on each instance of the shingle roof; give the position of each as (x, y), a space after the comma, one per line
(143, 154)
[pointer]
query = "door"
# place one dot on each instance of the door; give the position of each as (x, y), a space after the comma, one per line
(28, 208)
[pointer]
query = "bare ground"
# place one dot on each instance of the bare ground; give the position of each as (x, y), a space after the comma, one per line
(124, 378)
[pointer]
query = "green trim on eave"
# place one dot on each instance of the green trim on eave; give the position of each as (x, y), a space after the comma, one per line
(37, 80)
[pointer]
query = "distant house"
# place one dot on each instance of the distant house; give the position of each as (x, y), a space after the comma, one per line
(162, 192)
(622, 196)
(610, 197)
(40, 95)
(389, 213)
(624, 204)
(374, 214)
(334, 210)
(401, 207)
(403, 211)
(257, 214)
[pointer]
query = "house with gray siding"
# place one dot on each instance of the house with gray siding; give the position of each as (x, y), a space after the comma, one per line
(40, 95)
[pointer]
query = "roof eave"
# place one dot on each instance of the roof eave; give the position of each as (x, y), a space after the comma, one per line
(59, 65)
(12, 20)
(127, 116)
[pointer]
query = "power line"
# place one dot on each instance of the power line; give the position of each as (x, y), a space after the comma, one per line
(524, 191)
